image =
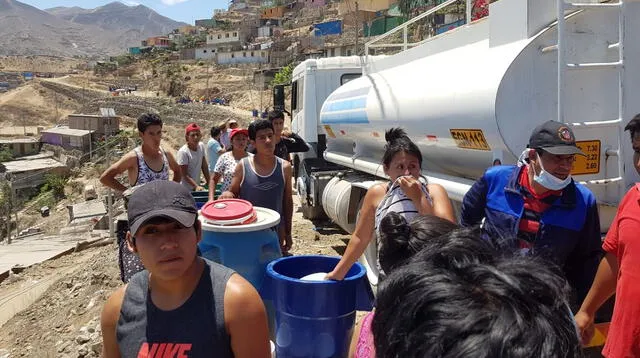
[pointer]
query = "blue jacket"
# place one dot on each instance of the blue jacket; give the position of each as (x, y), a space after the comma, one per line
(569, 231)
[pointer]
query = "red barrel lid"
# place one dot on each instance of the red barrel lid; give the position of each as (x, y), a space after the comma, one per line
(227, 209)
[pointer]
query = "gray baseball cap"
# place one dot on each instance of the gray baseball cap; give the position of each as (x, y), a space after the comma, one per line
(161, 198)
(554, 137)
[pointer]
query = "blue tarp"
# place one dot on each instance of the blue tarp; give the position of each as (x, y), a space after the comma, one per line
(446, 27)
(328, 28)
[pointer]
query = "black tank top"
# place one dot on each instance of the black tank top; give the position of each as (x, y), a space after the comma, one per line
(195, 329)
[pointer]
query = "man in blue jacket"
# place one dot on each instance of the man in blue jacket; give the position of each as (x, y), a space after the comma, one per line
(537, 208)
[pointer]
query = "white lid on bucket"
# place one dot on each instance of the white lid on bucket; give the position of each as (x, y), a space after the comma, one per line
(266, 219)
(318, 276)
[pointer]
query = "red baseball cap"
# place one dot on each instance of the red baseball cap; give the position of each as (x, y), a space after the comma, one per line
(191, 127)
(238, 130)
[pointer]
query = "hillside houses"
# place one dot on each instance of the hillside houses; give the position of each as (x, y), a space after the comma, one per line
(276, 33)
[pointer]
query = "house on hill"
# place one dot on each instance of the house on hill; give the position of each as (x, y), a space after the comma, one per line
(21, 147)
(27, 175)
(243, 57)
(68, 138)
(99, 124)
(157, 41)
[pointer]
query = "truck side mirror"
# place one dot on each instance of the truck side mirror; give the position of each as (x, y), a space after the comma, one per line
(278, 97)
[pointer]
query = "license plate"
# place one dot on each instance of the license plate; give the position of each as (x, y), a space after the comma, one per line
(469, 139)
(589, 164)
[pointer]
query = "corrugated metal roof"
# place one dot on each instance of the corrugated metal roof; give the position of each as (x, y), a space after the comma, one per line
(17, 166)
(67, 131)
(18, 140)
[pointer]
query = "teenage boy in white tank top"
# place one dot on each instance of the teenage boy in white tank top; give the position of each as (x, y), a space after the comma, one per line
(153, 165)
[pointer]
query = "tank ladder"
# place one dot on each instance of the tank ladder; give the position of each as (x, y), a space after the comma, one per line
(564, 66)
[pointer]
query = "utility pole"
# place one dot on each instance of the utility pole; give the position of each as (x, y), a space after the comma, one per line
(55, 94)
(109, 191)
(9, 212)
(357, 28)
(12, 207)
(207, 75)
(16, 212)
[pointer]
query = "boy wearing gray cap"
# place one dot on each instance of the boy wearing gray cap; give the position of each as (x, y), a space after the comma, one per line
(182, 305)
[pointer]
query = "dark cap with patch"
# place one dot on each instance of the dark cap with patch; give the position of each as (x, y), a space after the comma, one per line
(161, 198)
(554, 137)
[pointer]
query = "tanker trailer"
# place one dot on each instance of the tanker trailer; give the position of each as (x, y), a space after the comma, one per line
(469, 98)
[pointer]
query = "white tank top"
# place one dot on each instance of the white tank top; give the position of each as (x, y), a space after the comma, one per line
(146, 174)
(396, 201)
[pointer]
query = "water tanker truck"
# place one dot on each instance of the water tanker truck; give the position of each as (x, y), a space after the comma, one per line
(469, 98)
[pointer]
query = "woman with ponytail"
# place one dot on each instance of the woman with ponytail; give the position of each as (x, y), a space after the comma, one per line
(400, 241)
(407, 194)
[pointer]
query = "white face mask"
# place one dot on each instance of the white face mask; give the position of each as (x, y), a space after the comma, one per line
(548, 180)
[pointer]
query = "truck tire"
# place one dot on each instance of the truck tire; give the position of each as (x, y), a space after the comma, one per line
(312, 212)
(302, 185)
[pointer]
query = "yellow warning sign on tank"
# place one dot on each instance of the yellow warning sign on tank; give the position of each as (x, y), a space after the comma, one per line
(329, 131)
(469, 139)
(589, 164)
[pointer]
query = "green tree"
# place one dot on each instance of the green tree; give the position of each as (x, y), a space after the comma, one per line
(5, 154)
(411, 8)
(55, 184)
(408, 7)
(124, 60)
(283, 77)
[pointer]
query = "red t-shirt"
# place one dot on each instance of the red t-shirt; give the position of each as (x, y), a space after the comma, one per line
(534, 206)
(623, 240)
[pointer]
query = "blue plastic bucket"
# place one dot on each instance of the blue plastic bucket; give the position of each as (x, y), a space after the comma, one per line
(245, 248)
(200, 197)
(314, 319)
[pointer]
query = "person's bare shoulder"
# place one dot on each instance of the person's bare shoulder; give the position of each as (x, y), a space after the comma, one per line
(109, 321)
(286, 166)
(170, 155)
(378, 189)
(241, 300)
(125, 163)
(437, 190)
(111, 309)
(129, 159)
(374, 195)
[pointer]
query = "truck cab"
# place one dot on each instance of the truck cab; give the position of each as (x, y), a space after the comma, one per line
(311, 83)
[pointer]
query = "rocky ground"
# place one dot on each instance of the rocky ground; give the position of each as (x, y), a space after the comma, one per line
(65, 321)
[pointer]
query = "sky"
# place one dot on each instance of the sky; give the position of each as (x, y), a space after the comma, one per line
(180, 10)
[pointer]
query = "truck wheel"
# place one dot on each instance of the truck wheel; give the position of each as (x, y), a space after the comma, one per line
(302, 186)
(312, 212)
